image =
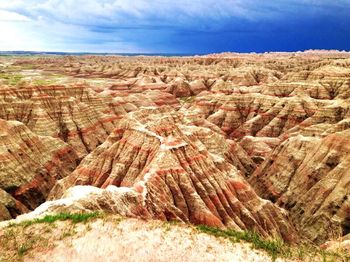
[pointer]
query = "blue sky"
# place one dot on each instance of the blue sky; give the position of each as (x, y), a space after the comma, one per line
(182, 26)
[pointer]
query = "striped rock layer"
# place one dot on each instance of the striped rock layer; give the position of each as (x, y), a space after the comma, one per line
(29, 167)
(76, 114)
(279, 120)
(73, 114)
(310, 177)
(176, 171)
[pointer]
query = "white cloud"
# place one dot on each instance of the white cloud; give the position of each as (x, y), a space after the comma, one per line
(18, 35)
(88, 25)
(82, 11)
(21, 33)
(11, 16)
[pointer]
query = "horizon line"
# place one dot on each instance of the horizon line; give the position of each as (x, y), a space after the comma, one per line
(164, 53)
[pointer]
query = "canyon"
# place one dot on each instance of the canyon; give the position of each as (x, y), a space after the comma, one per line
(246, 142)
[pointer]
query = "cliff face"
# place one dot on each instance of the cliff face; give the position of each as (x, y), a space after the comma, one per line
(309, 176)
(29, 167)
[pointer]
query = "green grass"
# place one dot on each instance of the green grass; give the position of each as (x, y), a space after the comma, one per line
(188, 99)
(23, 249)
(275, 248)
(16, 67)
(27, 66)
(43, 82)
(75, 218)
(11, 79)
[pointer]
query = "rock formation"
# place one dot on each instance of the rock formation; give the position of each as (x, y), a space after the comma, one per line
(73, 114)
(309, 177)
(29, 167)
(173, 170)
(238, 140)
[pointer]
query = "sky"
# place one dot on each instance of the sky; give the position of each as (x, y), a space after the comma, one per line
(168, 26)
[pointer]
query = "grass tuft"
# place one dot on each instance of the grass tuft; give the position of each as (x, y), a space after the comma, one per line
(75, 218)
(273, 247)
(277, 248)
(23, 249)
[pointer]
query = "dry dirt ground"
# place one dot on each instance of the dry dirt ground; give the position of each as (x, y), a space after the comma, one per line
(115, 239)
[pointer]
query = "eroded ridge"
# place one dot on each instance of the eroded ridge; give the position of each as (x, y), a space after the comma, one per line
(236, 140)
(29, 167)
(176, 171)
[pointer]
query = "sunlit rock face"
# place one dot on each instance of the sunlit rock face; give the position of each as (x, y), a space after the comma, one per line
(75, 114)
(310, 177)
(248, 141)
(72, 113)
(180, 172)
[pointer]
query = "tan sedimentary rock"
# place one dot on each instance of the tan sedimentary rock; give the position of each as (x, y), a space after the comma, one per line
(73, 114)
(310, 177)
(29, 167)
(177, 171)
(9, 206)
(253, 114)
(235, 112)
(259, 147)
(336, 245)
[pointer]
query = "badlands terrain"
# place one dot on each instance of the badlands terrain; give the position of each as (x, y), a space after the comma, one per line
(240, 142)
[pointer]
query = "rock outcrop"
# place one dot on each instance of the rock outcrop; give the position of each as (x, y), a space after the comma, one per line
(176, 171)
(73, 114)
(341, 244)
(76, 114)
(29, 167)
(310, 177)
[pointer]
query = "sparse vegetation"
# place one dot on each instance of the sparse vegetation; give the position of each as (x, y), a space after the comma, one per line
(167, 226)
(23, 249)
(188, 99)
(11, 79)
(272, 247)
(276, 247)
(55, 75)
(20, 238)
(68, 233)
(75, 218)
(16, 243)
(18, 67)
(25, 238)
(43, 82)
